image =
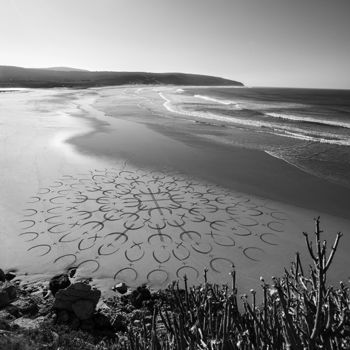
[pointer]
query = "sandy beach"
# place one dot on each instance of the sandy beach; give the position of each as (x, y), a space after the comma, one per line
(110, 181)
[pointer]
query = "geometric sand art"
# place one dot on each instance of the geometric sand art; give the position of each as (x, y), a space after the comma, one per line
(141, 226)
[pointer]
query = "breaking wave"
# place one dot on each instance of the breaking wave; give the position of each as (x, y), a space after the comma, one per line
(274, 128)
(303, 119)
(223, 102)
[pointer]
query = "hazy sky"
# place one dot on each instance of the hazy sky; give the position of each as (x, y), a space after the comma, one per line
(303, 43)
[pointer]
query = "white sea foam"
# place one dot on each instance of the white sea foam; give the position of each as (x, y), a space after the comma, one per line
(308, 119)
(9, 90)
(332, 140)
(273, 128)
(180, 91)
(223, 102)
(207, 115)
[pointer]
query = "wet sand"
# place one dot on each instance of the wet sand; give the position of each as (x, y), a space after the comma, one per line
(109, 181)
(193, 149)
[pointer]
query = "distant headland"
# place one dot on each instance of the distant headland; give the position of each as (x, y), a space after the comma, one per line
(11, 76)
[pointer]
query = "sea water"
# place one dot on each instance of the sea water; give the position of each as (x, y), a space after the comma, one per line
(308, 128)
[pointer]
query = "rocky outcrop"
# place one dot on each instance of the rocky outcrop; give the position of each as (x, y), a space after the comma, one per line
(121, 288)
(8, 293)
(29, 308)
(59, 282)
(83, 309)
(25, 306)
(79, 298)
(2, 276)
(28, 323)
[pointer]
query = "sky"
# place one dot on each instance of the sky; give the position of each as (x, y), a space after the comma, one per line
(291, 43)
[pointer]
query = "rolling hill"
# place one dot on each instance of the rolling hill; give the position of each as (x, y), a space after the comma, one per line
(11, 76)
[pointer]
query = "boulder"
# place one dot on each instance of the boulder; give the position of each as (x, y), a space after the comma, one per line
(7, 316)
(4, 299)
(2, 276)
(28, 323)
(63, 316)
(83, 309)
(9, 276)
(26, 306)
(121, 288)
(5, 325)
(65, 298)
(10, 290)
(59, 282)
(13, 310)
(72, 271)
(87, 325)
(75, 323)
(8, 293)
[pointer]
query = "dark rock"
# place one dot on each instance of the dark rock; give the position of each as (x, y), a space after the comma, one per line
(72, 271)
(75, 323)
(26, 306)
(63, 316)
(65, 298)
(28, 323)
(10, 289)
(13, 310)
(83, 309)
(4, 299)
(5, 325)
(6, 315)
(121, 288)
(59, 282)
(9, 276)
(87, 325)
(2, 276)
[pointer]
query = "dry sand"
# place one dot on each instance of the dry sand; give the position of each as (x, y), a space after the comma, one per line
(110, 181)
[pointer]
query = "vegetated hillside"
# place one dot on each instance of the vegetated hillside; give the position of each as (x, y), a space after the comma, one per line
(32, 77)
(66, 69)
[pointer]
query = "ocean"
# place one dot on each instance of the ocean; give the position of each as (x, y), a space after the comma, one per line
(308, 128)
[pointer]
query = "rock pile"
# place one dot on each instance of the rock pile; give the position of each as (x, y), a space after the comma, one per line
(76, 307)
(64, 301)
(19, 304)
(59, 282)
(8, 291)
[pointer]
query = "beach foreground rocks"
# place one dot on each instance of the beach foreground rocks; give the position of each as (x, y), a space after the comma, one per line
(79, 298)
(27, 308)
(28, 323)
(59, 282)
(2, 276)
(8, 293)
(121, 288)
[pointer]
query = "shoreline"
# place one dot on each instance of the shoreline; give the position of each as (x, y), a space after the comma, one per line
(136, 148)
(256, 172)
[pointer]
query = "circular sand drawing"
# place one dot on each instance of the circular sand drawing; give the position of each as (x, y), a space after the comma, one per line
(140, 226)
